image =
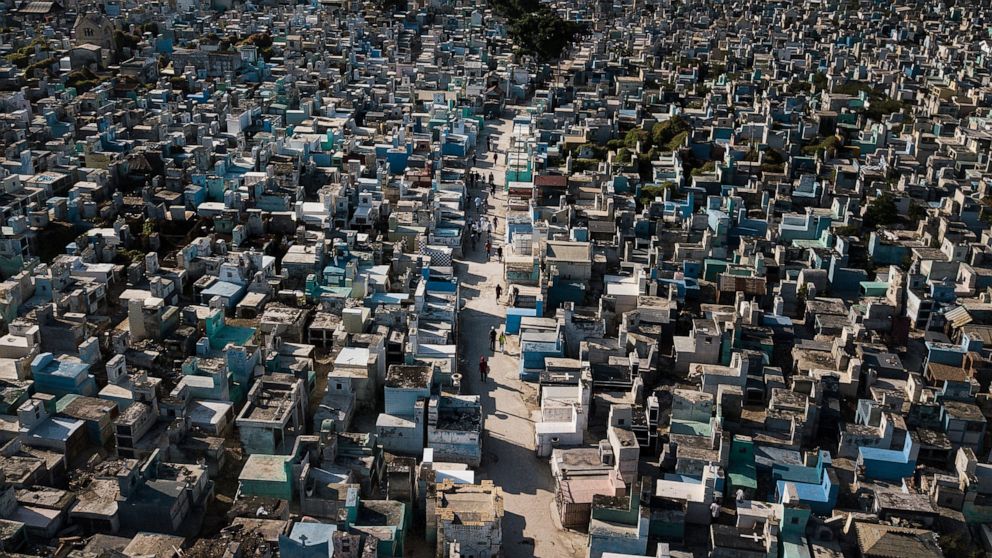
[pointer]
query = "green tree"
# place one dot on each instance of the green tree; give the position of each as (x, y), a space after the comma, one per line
(853, 87)
(882, 107)
(772, 161)
(651, 191)
(958, 545)
(260, 40)
(637, 135)
(827, 146)
(676, 142)
(819, 81)
(916, 212)
(708, 166)
(596, 151)
(126, 40)
(44, 64)
(663, 133)
(580, 165)
(82, 80)
(392, 5)
(22, 56)
(881, 211)
(644, 168)
(536, 29)
(801, 296)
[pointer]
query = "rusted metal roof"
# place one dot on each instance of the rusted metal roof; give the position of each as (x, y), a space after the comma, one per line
(36, 7)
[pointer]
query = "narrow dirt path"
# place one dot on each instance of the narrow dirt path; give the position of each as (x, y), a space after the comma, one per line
(508, 448)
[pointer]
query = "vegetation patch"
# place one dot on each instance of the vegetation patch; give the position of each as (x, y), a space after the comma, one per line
(536, 29)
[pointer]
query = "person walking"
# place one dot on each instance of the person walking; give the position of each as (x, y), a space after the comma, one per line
(495, 156)
(499, 253)
(473, 159)
(483, 368)
(499, 292)
(478, 205)
(502, 341)
(495, 223)
(492, 338)
(492, 188)
(489, 249)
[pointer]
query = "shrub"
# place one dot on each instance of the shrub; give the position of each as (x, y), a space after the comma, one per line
(579, 165)
(44, 64)
(651, 191)
(22, 56)
(708, 166)
(82, 80)
(826, 145)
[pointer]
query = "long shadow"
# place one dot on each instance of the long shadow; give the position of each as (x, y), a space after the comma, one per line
(472, 279)
(478, 255)
(470, 292)
(506, 387)
(485, 317)
(465, 274)
(514, 543)
(487, 392)
(515, 468)
(504, 415)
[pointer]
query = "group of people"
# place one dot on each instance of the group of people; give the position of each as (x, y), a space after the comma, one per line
(489, 251)
(494, 337)
(475, 180)
(479, 227)
(483, 228)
